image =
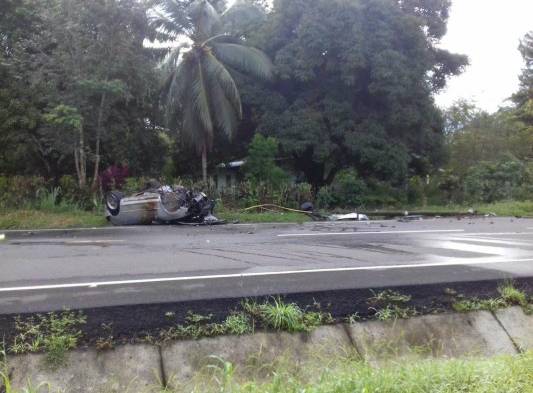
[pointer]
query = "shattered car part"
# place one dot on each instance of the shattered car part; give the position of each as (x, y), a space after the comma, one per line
(348, 217)
(163, 205)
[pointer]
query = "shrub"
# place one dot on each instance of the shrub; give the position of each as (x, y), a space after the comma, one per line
(490, 182)
(261, 164)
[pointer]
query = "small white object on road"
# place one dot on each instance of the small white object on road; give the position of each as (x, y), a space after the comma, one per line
(348, 217)
(2, 237)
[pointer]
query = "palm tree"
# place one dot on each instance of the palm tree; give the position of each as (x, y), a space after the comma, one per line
(198, 84)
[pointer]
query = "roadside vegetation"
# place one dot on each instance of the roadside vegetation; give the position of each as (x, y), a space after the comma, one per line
(500, 374)
(345, 375)
(56, 333)
(135, 111)
(509, 296)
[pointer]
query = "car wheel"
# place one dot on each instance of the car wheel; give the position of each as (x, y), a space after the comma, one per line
(112, 202)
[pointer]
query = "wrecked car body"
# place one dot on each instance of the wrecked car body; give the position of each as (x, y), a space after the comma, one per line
(160, 205)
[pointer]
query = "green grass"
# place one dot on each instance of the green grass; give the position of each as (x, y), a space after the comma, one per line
(512, 295)
(39, 219)
(267, 217)
(497, 375)
(506, 208)
(474, 304)
(54, 334)
(509, 296)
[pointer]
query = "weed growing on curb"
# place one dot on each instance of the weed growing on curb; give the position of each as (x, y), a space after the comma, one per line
(238, 324)
(282, 316)
(52, 333)
(512, 295)
(475, 304)
(390, 305)
(106, 342)
(353, 319)
(393, 312)
(388, 297)
(198, 326)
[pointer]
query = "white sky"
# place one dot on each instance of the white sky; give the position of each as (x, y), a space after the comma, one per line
(488, 31)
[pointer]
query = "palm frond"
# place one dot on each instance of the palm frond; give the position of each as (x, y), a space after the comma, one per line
(205, 18)
(224, 82)
(224, 112)
(166, 27)
(176, 86)
(199, 93)
(247, 59)
(191, 127)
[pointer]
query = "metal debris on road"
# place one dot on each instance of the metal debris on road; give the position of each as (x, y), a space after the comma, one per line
(349, 217)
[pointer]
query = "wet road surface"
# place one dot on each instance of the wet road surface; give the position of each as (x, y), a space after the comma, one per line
(141, 265)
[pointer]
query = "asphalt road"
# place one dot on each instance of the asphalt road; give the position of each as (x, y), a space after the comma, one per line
(44, 271)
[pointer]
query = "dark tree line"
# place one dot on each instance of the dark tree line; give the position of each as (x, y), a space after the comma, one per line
(353, 88)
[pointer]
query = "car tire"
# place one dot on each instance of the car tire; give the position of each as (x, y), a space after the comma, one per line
(112, 202)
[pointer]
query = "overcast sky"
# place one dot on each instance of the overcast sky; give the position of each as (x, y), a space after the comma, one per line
(488, 31)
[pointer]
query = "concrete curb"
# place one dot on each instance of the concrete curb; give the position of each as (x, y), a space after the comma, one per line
(518, 326)
(144, 368)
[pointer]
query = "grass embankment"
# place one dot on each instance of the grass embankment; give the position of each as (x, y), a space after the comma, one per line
(500, 374)
(510, 374)
(76, 218)
(509, 208)
(39, 219)
(266, 217)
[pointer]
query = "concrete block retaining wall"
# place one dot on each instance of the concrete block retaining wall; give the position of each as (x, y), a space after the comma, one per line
(144, 368)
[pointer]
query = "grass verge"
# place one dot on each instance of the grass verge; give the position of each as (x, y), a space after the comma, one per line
(54, 334)
(505, 208)
(267, 217)
(500, 374)
(38, 219)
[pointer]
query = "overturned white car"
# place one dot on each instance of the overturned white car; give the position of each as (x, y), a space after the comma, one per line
(160, 205)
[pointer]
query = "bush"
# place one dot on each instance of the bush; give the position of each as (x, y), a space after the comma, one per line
(347, 190)
(261, 165)
(490, 182)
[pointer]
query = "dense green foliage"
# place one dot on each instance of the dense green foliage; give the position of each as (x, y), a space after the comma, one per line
(261, 166)
(200, 91)
(353, 88)
(77, 88)
(348, 99)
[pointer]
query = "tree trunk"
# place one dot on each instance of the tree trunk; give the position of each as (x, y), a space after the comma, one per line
(98, 141)
(81, 161)
(204, 163)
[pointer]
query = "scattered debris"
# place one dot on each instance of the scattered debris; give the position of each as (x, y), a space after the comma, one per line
(2, 237)
(348, 217)
(490, 215)
(162, 205)
(411, 218)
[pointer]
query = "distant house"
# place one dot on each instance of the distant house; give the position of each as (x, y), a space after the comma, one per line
(229, 174)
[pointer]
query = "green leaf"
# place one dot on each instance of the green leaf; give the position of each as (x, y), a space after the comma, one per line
(247, 59)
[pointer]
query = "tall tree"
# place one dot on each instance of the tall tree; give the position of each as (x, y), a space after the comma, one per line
(355, 87)
(524, 97)
(198, 84)
(81, 61)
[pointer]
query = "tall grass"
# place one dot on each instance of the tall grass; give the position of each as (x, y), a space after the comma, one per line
(498, 375)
